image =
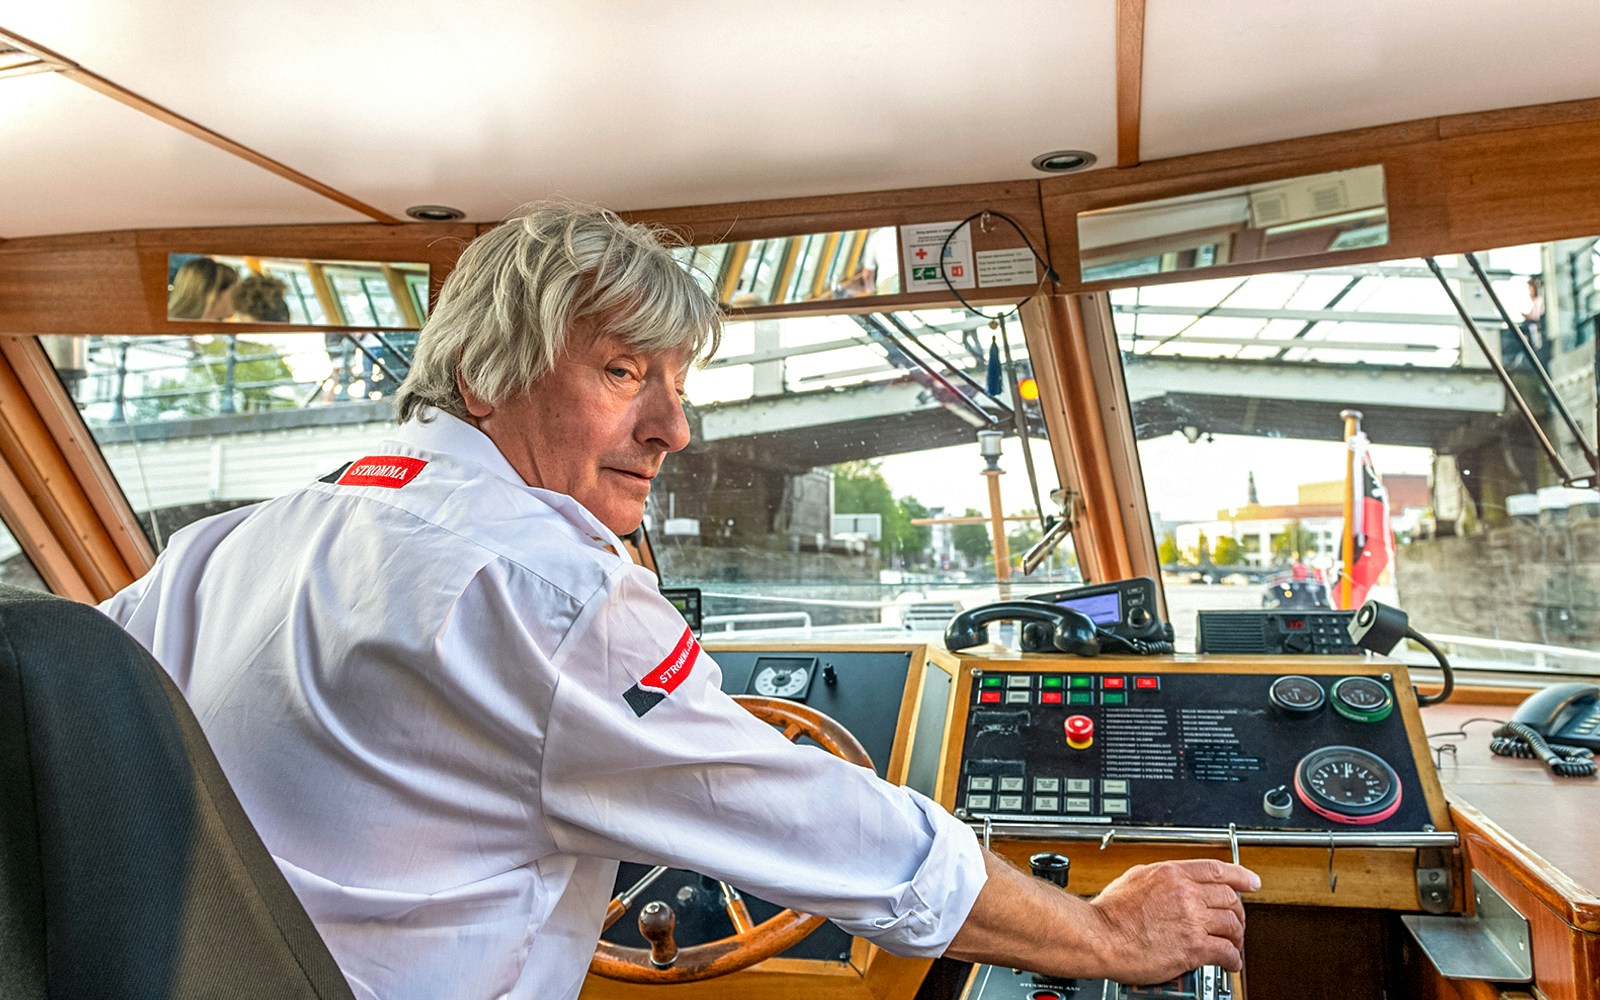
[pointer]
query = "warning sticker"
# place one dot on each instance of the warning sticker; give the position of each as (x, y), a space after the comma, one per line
(923, 244)
(1012, 266)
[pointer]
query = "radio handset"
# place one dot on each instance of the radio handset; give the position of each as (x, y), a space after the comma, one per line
(1061, 628)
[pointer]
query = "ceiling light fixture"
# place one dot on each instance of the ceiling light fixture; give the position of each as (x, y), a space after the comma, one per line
(435, 213)
(1063, 161)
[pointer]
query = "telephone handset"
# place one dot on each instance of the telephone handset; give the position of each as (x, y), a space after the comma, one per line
(1560, 725)
(1050, 627)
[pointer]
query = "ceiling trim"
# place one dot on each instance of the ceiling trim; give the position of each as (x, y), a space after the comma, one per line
(123, 95)
(1130, 79)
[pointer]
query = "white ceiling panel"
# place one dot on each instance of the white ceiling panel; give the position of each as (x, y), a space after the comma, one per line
(489, 104)
(1225, 73)
(76, 161)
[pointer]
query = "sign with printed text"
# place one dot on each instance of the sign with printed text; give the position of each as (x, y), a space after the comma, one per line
(1012, 266)
(930, 260)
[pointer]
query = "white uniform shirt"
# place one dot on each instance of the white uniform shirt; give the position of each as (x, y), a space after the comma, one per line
(450, 707)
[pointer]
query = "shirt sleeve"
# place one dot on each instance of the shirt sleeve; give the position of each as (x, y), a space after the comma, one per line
(647, 760)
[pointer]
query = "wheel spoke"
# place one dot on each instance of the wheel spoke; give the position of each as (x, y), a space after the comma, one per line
(618, 906)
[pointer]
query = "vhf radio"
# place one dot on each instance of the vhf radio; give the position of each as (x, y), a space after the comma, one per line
(1123, 613)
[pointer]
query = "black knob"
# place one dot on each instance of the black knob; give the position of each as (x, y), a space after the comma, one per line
(830, 676)
(1051, 867)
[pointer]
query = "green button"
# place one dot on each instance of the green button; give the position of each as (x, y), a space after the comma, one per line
(1082, 698)
(1082, 682)
(993, 682)
(1113, 698)
(1051, 682)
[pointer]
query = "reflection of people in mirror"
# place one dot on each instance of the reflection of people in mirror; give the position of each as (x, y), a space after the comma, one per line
(259, 299)
(202, 289)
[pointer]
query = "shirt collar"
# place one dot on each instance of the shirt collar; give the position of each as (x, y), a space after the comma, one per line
(437, 431)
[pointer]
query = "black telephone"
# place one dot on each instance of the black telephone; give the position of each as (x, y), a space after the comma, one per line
(1560, 725)
(1046, 626)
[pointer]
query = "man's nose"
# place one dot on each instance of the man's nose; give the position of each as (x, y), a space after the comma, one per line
(664, 423)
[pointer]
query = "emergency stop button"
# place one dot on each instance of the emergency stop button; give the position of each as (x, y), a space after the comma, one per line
(1080, 732)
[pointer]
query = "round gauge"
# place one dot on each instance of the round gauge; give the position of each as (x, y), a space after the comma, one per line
(1347, 785)
(786, 681)
(1362, 699)
(1296, 694)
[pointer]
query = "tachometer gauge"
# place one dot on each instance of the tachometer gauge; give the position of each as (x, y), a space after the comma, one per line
(783, 676)
(1296, 694)
(1363, 699)
(1347, 785)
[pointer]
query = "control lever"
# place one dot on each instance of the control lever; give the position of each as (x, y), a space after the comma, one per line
(1052, 867)
(656, 923)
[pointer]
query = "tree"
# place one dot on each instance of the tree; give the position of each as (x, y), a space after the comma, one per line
(1228, 552)
(859, 488)
(1202, 551)
(1168, 550)
(1295, 541)
(972, 540)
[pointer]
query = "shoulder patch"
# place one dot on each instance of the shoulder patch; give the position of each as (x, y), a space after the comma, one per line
(653, 688)
(391, 471)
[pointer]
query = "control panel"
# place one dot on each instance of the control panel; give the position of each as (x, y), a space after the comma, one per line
(1128, 743)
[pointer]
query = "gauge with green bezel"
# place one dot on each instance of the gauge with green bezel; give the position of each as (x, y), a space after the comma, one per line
(1363, 699)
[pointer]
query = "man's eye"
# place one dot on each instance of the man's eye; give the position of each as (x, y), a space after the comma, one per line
(620, 372)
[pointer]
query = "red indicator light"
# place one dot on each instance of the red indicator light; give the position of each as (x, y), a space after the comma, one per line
(1147, 683)
(1050, 698)
(1294, 624)
(1114, 683)
(989, 697)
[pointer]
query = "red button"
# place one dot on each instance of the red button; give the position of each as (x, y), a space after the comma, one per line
(1080, 732)
(1050, 698)
(1147, 683)
(1114, 683)
(989, 697)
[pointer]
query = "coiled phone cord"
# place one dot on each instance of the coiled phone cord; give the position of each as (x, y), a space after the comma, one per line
(1517, 740)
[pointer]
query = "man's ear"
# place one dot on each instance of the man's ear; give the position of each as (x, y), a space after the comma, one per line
(477, 406)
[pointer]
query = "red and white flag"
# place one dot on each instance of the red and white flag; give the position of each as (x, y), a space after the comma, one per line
(1372, 538)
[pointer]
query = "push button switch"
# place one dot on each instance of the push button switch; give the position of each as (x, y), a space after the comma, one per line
(1080, 732)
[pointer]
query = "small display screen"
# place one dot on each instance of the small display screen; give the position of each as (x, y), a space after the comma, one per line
(687, 601)
(1102, 609)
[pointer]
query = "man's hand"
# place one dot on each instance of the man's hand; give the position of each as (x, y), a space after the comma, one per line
(1161, 920)
(1151, 924)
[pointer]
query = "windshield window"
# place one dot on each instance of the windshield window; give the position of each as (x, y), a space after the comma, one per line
(1244, 391)
(835, 482)
(192, 426)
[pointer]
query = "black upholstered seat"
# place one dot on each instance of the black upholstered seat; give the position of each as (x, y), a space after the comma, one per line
(127, 868)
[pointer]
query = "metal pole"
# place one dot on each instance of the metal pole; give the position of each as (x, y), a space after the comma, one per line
(1538, 368)
(230, 359)
(1352, 427)
(1505, 376)
(997, 530)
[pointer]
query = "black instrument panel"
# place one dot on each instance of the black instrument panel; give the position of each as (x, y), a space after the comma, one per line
(1125, 744)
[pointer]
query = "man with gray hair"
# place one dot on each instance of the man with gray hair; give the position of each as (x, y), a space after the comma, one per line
(450, 703)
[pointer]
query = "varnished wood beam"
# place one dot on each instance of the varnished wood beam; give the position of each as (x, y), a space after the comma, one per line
(122, 95)
(1130, 79)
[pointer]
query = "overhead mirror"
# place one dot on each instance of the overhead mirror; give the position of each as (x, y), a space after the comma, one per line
(215, 288)
(790, 269)
(1273, 220)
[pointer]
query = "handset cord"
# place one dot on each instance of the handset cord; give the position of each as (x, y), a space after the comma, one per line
(1139, 647)
(1517, 740)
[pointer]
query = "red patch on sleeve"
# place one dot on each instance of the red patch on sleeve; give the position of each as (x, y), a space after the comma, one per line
(672, 671)
(389, 471)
